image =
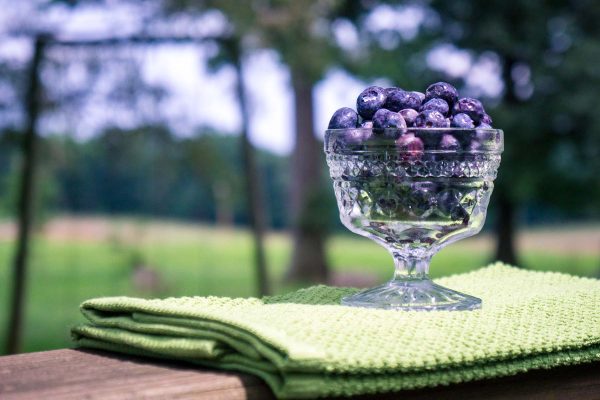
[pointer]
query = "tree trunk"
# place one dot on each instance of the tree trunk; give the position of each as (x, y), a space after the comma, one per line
(26, 200)
(505, 231)
(308, 254)
(256, 208)
(506, 225)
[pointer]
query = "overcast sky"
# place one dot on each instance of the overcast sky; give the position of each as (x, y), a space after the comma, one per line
(199, 97)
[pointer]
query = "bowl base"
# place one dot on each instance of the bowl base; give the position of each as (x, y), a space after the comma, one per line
(412, 295)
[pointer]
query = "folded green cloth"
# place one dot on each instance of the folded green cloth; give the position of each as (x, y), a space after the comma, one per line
(305, 345)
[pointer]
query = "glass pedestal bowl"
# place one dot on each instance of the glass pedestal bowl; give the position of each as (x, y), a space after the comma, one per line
(413, 195)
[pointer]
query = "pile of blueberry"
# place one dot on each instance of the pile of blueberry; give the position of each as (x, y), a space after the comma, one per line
(393, 108)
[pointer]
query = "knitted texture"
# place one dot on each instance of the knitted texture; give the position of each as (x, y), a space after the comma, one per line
(305, 345)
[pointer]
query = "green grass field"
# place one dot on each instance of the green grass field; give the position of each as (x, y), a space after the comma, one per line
(191, 260)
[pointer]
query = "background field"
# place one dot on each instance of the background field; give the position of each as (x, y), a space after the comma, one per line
(78, 258)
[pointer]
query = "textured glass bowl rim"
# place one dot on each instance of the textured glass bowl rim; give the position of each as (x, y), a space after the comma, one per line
(388, 144)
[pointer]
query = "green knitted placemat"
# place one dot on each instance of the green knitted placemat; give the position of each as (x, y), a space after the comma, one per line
(304, 344)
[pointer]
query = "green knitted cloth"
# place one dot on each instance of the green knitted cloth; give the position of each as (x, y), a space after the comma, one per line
(305, 345)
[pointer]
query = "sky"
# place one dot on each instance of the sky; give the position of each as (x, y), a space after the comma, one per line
(199, 97)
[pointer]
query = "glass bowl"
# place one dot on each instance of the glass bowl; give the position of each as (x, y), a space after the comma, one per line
(413, 191)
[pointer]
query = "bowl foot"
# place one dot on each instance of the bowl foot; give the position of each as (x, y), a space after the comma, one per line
(412, 295)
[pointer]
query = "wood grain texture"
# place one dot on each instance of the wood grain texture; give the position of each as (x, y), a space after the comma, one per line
(83, 374)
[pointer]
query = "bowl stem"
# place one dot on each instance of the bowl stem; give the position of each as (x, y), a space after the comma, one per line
(410, 267)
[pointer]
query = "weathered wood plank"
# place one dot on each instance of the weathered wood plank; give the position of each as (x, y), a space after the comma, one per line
(78, 374)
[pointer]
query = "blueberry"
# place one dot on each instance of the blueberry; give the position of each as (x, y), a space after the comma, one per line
(370, 100)
(462, 121)
(474, 145)
(472, 107)
(391, 95)
(367, 124)
(420, 95)
(431, 119)
(449, 143)
(411, 144)
(484, 126)
(409, 116)
(436, 104)
(343, 118)
(399, 99)
(353, 137)
(390, 90)
(349, 139)
(442, 90)
(384, 118)
(486, 119)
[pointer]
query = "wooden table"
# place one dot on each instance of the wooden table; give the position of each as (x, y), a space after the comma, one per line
(82, 374)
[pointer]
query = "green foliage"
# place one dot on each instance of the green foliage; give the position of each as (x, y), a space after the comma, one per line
(552, 119)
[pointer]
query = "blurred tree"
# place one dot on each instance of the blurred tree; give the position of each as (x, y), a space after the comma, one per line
(26, 193)
(300, 33)
(547, 52)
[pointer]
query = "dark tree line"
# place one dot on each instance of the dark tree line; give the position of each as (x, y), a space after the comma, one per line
(145, 171)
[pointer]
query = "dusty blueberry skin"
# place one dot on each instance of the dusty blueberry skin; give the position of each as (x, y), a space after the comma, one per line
(431, 119)
(484, 126)
(442, 90)
(367, 124)
(463, 121)
(437, 105)
(472, 107)
(343, 118)
(449, 143)
(370, 100)
(391, 100)
(384, 119)
(400, 99)
(420, 95)
(409, 116)
(390, 90)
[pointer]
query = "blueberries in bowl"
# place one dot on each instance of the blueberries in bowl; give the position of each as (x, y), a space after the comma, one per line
(399, 99)
(438, 105)
(370, 100)
(384, 119)
(472, 107)
(463, 121)
(343, 118)
(389, 112)
(409, 116)
(353, 137)
(420, 95)
(442, 90)
(449, 143)
(431, 119)
(389, 90)
(410, 144)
